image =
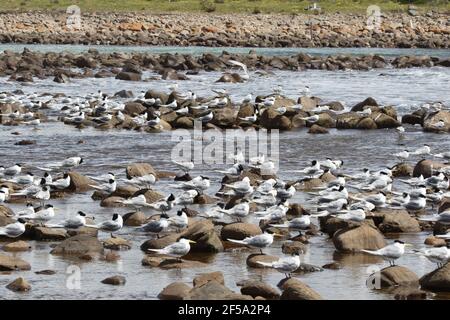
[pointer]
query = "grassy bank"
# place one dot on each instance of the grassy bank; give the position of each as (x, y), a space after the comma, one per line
(223, 6)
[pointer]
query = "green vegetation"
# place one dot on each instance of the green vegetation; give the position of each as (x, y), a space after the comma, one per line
(224, 6)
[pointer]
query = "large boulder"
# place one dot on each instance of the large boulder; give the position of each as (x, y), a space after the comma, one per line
(253, 259)
(368, 102)
(359, 238)
(366, 124)
(426, 167)
(19, 285)
(224, 117)
(431, 120)
(129, 76)
(239, 231)
(205, 237)
(45, 234)
(294, 289)
(134, 108)
(10, 263)
(393, 276)
(348, 120)
(397, 221)
(271, 119)
(382, 120)
(139, 170)
(175, 291)
(134, 219)
(78, 246)
(17, 246)
(438, 280)
(160, 242)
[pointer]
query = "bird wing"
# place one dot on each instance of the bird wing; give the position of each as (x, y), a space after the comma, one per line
(237, 63)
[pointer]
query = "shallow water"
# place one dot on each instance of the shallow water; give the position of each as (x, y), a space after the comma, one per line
(196, 50)
(113, 150)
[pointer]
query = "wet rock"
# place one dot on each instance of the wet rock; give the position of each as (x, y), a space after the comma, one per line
(230, 78)
(239, 231)
(366, 124)
(435, 242)
(171, 263)
(330, 225)
(409, 293)
(111, 257)
(10, 263)
(347, 120)
(361, 105)
(253, 259)
(46, 272)
(205, 237)
(397, 221)
(93, 232)
(213, 290)
(160, 242)
(431, 120)
(25, 142)
(134, 219)
(332, 266)
(115, 280)
(175, 291)
(129, 76)
(125, 191)
(79, 183)
(393, 276)
(78, 246)
(17, 246)
(402, 170)
(139, 170)
(19, 285)
(316, 129)
(6, 212)
(134, 108)
(291, 247)
(256, 288)
(425, 167)
(112, 202)
(61, 78)
(308, 103)
(438, 280)
(271, 119)
(184, 123)
(116, 244)
(45, 234)
(294, 289)
(384, 121)
(205, 199)
(356, 239)
(224, 117)
(206, 277)
(124, 94)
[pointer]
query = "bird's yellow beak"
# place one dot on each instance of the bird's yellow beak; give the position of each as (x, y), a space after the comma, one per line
(191, 241)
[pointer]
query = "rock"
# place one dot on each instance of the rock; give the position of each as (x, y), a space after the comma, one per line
(384, 121)
(78, 246)
(291, 247)
(170, 263)
(271, 119)
(116, 244)
(125, 191)
(409, 293)
(239, 231)
(435, 242)
(348, 120)
(356, 239)
(175, 291)
(366, 124)
(213, 290)
(392, 276)
(256, 288)
(206, 277)
(294, 289)
(397, 221)
(160, 242)
(46, 272)
(224, 117)
(316, 129)
(124, 94)
(425, 167)
(45, 234)
(368, 102)
(330, 225)
(17, 246)
(152, 196)
(25, 142)
(134, 219)
(111, 256)
(115, 280)
(61, 78)
(139, 170)
(205, 237)
(332, 266)
(93, 232)
(230, 78)
(129, 76)
(112, 202)
(134, 108)
(431, 120)
(253, 259)
(19, 285)
(205, 199)
(184, 123)
(79, 183)
(437, 280)
(10, 263)
(6, 212)
(402, 170)
(308, 103)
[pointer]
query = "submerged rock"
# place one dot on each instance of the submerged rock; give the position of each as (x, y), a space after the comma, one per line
(19, 285)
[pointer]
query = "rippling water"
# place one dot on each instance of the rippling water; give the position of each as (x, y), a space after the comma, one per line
(113, 150)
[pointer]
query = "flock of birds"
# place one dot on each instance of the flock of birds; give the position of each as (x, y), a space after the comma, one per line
(372, 190)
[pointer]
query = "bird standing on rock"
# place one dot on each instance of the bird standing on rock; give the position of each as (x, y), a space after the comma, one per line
(389, 253)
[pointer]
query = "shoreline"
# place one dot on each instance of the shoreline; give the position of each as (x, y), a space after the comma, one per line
(227, 30)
